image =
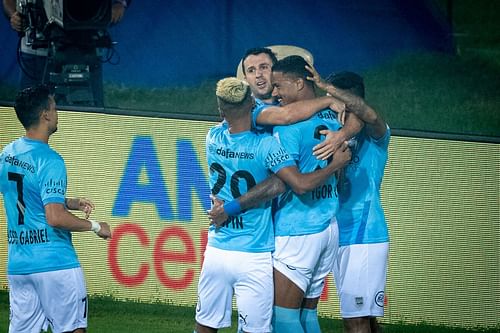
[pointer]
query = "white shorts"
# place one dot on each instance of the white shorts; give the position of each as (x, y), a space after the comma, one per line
(360, 276)
(57, 298)
(249, 276)
(306, 260)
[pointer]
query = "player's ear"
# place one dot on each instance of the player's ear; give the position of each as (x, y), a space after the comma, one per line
(299, 83)
(45, 114)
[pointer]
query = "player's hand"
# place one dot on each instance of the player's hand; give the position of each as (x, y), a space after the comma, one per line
(16, 22)
(343, 155)
(82, 204)
(333, 141)
(105, 231)
(339, 107)
(316, 78)
(216, 215)
(86, 206)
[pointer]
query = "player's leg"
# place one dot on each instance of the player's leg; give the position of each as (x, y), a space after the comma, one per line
(215, 291)
(287, 300)
(26, 312)
(295, 261)
(356, 325)
(328, 242)
(309, 315)
(204, 329)
(254, 292)
(374, 325)
(63, 295)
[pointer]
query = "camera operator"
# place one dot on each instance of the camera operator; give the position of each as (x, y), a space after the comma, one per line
(33, 56)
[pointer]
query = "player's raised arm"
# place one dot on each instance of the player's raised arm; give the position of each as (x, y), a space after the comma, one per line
(297, 111)
(354, 101)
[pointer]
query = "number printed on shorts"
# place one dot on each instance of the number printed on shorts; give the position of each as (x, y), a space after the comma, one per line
(84, 301)
(18, 178)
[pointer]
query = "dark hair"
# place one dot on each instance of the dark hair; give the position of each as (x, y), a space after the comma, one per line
(257, 51)
(348, 81)
(30, 103)
(293, 65)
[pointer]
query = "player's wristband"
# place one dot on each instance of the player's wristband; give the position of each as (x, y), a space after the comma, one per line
(96, 226)
(232, 207)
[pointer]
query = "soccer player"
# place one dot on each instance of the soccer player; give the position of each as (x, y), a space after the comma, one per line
(306, 232)
(268, 189)
(238, 159)
(361, 269)
(256, 67)
(46, 282)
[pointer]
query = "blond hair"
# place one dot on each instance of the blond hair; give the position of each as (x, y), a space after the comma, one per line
(232, 90)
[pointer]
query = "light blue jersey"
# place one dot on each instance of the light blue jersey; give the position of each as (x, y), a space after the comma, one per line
(33, 175)
(258, 108)
(311, 212)
(361, 218)
(237, 162)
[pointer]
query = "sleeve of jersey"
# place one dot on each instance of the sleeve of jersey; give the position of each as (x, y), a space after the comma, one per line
(383, 142)
(255, 114)
(53, 181)
(289, 137)
(275, 156)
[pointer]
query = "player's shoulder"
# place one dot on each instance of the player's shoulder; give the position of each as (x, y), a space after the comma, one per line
(214, 130)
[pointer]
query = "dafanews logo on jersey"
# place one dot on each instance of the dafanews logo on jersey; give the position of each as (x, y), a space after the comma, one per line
(275, 158)
(19, 163)
(55, 186)
(228, 153)
(327, 115)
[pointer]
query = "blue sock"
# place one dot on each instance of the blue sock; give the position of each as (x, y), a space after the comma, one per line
(286, 320)
(309, 320)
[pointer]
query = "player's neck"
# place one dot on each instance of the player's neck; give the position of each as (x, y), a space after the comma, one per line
(307, 94)
(239, 124)
(37, 134)
(238, 127)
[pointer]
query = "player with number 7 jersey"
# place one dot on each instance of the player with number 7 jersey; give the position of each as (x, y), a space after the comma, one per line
(46, 282)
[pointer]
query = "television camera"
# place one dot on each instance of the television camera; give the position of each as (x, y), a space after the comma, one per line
(74, 34)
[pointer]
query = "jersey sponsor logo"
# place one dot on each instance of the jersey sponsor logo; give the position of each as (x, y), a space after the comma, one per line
(55, 187)
(274, 159)
(379, 298)
(28, 237)
(19, 163)
(327, 115)
(228, 153)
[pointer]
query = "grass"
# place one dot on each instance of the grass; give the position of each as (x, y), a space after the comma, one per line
(109, 316)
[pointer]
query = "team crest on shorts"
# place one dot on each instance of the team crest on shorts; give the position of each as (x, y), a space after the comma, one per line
(379, 298)
(359, 300)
